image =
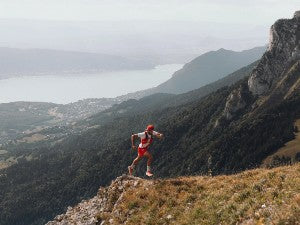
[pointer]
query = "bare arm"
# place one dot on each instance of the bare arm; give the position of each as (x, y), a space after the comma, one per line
(132, 140)
(159, 135)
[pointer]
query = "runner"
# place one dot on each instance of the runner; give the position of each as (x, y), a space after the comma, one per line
(146, 140)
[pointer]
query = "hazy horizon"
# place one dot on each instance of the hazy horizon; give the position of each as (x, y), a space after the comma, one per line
(178, 39)
(152, 29)
(142, 33)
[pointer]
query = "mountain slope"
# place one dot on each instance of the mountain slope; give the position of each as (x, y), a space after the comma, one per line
(253, 197)
(161, 101)
(208, 68)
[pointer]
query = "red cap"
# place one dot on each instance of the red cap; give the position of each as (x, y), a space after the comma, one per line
(150, 127)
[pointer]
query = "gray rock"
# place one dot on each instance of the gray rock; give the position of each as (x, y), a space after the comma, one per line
(297, 14)
(234, 103)
(283, 52)
(283, 49)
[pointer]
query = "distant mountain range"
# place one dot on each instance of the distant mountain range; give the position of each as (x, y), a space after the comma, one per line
(208, 68)
(205, 70)
(43, 61)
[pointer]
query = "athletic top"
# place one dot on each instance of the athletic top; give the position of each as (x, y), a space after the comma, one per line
(146, 142)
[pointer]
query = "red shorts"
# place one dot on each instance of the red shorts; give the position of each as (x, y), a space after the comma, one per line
(141, 151)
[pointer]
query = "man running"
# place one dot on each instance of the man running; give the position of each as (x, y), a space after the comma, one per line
(146, 140)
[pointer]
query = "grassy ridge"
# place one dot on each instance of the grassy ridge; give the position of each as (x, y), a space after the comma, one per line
(259, 196)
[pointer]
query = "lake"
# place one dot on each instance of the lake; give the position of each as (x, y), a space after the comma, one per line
(70, 88)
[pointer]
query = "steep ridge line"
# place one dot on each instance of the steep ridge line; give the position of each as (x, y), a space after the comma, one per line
(258, 196)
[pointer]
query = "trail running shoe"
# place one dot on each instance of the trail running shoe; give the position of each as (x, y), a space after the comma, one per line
(130, 170)
(149, 174)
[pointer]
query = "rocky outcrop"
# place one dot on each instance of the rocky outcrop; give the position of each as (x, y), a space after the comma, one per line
(234, 103)
(265, 83)
(95, 211)
(283, 50)
(297, 14)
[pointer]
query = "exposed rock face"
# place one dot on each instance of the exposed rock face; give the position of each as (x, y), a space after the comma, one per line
(268, 80)
(297, 14)
(234, 103)
(90, 212)
(283, 50)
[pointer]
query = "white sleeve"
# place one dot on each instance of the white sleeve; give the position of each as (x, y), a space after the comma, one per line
(141, 135)
(155, 133)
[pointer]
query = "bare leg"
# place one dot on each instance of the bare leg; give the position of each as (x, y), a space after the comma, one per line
(136, 160)
(150, 158)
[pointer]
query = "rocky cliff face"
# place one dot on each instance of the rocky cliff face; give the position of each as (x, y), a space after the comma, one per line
(282, 52)
(273, 70)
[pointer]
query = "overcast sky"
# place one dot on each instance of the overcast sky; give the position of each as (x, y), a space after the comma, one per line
(141, 27)
(260, 12)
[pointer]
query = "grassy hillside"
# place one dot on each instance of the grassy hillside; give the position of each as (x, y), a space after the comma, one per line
(252, 197)
(259, 196)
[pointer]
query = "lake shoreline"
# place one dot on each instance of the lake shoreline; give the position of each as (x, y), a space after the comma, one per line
(65, 89)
